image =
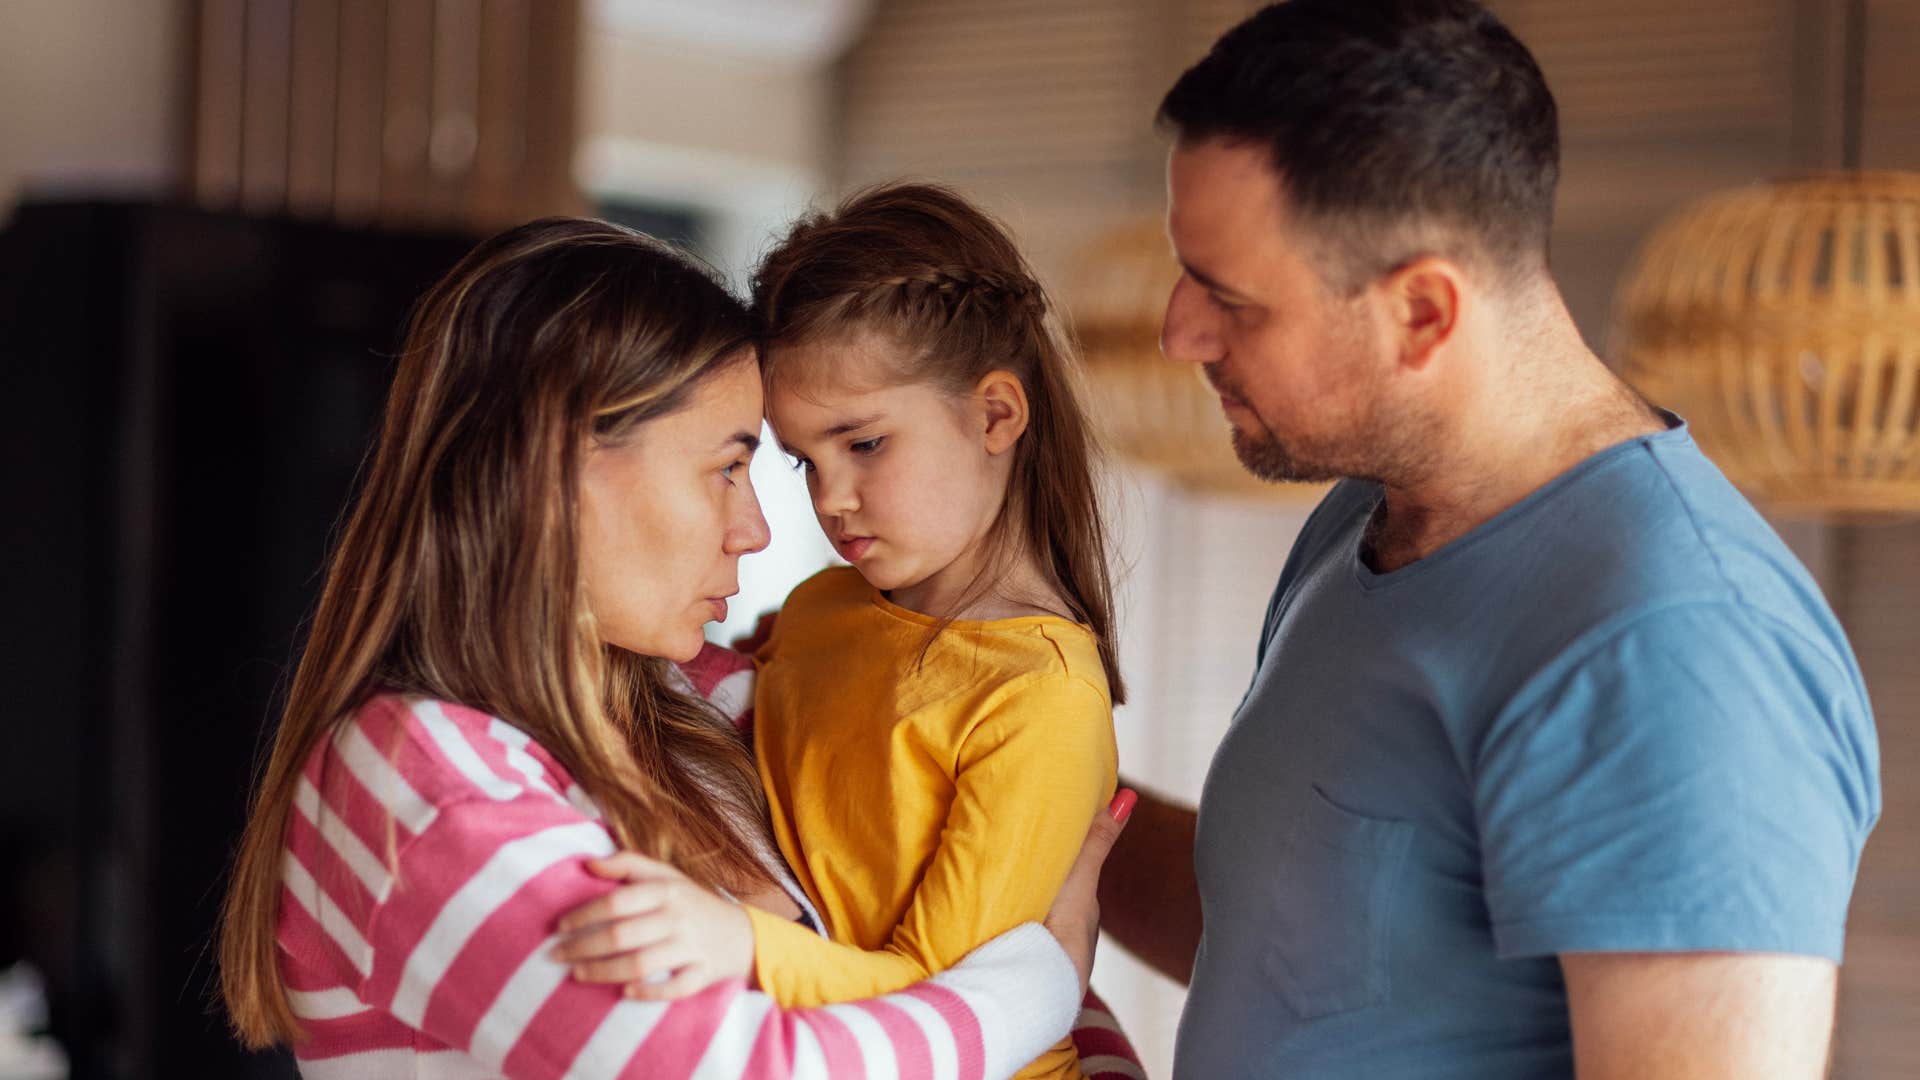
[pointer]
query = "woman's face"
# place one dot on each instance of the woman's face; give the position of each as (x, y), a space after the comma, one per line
(666, 514)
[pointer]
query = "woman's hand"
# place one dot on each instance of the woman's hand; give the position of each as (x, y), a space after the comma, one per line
(1074, 918)
(661, 934)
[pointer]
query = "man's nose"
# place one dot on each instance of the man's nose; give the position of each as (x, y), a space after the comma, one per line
(1190, 332)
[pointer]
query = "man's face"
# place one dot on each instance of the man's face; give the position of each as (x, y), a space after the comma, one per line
(1304, 374)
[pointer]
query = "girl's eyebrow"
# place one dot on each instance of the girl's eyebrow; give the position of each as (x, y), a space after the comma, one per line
(834, 432)
(854, 424)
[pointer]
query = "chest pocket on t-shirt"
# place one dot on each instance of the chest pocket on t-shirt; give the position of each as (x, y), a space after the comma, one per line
(1330, 932)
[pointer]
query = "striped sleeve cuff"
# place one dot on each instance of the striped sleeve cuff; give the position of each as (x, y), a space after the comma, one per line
(1023, 990)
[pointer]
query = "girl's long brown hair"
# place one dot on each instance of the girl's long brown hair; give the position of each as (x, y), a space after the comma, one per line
(943, 282)
(456, 575)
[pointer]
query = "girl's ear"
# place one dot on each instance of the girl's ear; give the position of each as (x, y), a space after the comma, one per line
(1002, 399)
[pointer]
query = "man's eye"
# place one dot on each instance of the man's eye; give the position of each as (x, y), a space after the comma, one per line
(867, 446)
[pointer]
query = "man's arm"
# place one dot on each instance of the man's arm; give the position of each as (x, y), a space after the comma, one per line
(1149, 899)
(1695, 1016)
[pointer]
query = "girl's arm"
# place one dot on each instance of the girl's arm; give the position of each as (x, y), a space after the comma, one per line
(1029, 776)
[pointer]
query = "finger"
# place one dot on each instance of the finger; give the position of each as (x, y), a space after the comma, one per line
(623, 968)
(649, 963)
(614, 938)
(622, 903)
(1100, 839)
(630, 866)
(687, 980)
(651, 966)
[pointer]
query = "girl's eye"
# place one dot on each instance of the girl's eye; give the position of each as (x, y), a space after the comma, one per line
(867, 446)
(800, 464)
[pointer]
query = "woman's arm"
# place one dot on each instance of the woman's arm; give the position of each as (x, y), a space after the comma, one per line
(453, 939)
(464, 958)
(1103, 1048)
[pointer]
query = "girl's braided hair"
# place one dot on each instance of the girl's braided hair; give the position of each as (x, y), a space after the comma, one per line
(945, 285)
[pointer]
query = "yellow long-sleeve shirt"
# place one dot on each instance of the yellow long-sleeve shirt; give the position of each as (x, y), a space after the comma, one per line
(925, 806)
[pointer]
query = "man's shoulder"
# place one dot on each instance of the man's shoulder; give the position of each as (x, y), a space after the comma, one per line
(1666, 528)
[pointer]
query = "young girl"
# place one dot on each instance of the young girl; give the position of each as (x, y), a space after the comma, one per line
(933, 723)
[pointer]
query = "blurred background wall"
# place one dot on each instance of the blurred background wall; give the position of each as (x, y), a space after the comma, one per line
(317, 162)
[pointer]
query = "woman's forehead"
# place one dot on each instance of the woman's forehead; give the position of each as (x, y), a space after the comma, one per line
(720, 409)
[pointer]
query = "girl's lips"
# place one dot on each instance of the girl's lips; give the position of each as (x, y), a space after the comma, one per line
(852, 549)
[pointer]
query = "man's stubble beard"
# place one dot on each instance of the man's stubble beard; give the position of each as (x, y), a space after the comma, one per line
(1390, 443)
(1263, 455)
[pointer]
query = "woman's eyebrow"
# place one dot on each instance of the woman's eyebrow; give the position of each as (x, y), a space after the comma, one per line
(747, 440)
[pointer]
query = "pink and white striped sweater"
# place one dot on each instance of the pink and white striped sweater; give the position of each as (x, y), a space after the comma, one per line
(433, 848)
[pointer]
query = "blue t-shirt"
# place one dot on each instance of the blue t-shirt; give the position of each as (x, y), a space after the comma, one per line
(1617, 717)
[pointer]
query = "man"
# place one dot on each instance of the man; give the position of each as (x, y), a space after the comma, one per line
(1555, 761)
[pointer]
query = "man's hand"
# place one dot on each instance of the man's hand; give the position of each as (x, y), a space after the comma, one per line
(1695, 1016)
(661, 934)
(1074, 918)
(1149, 898)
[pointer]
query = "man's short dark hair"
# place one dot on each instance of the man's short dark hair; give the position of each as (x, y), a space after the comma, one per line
(1396, 126)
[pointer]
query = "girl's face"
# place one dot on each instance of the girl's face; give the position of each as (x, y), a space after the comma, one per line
(906, 480)
(666, 514)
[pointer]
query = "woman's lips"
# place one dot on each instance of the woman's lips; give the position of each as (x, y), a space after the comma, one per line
(717, 607)
(852, 548)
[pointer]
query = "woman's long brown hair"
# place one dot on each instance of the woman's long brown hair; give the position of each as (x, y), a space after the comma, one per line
(945, 284)
(456, 575)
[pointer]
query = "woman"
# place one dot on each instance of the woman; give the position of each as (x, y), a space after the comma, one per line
(556, 506)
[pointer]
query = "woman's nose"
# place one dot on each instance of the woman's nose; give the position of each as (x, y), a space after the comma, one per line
(747, 532)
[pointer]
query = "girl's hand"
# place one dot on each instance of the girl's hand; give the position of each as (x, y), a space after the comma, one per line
(662, 935)
(1074, 918)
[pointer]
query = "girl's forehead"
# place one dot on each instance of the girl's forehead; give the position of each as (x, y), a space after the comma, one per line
(863, 358)
(815, 412)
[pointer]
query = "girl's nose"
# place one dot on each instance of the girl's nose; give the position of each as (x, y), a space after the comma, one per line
(834, 494)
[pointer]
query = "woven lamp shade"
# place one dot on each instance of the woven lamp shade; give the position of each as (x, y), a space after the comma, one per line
(1783, 321)
(1153, 411)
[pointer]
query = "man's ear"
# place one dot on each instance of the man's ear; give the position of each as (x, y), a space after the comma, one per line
(1424, 300)
(1002, 401)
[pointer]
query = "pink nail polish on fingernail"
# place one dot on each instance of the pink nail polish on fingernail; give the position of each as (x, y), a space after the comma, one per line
(1121, 807)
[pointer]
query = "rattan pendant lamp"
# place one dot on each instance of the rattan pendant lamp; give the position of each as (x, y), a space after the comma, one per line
(1783, 320)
